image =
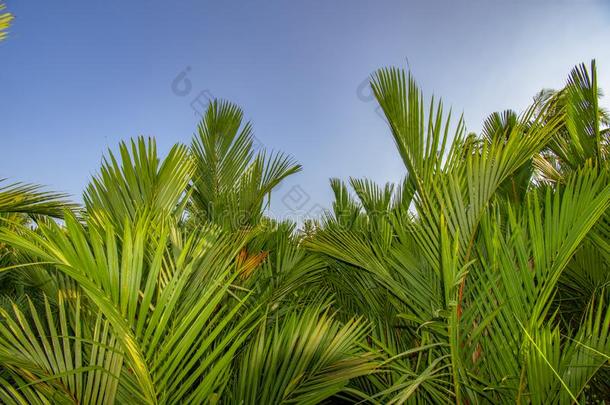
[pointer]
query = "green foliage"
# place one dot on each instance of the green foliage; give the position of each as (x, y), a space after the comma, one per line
(5, 21)
(30, 200)
(303, 358)
(482, 277)
(231, 180)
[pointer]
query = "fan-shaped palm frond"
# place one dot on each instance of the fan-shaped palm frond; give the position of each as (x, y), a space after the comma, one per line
(176, 341)
(139, 181)
(231, 181)
(583, 134)
(31, 200)
(306, 358)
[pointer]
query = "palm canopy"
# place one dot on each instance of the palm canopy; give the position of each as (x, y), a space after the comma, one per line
(481, 277)
(469, 259)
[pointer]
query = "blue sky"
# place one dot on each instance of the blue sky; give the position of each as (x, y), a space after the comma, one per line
(77, 77)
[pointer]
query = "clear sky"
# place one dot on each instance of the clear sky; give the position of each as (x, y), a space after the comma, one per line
(76, 77)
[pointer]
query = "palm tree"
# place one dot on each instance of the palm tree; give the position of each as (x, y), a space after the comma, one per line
(461, 276)
(153, 298)
(479, 278)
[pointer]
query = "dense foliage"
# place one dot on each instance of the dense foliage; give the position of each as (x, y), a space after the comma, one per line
(482, 277)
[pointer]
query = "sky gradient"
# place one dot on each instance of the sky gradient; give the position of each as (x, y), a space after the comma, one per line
(77, 77)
